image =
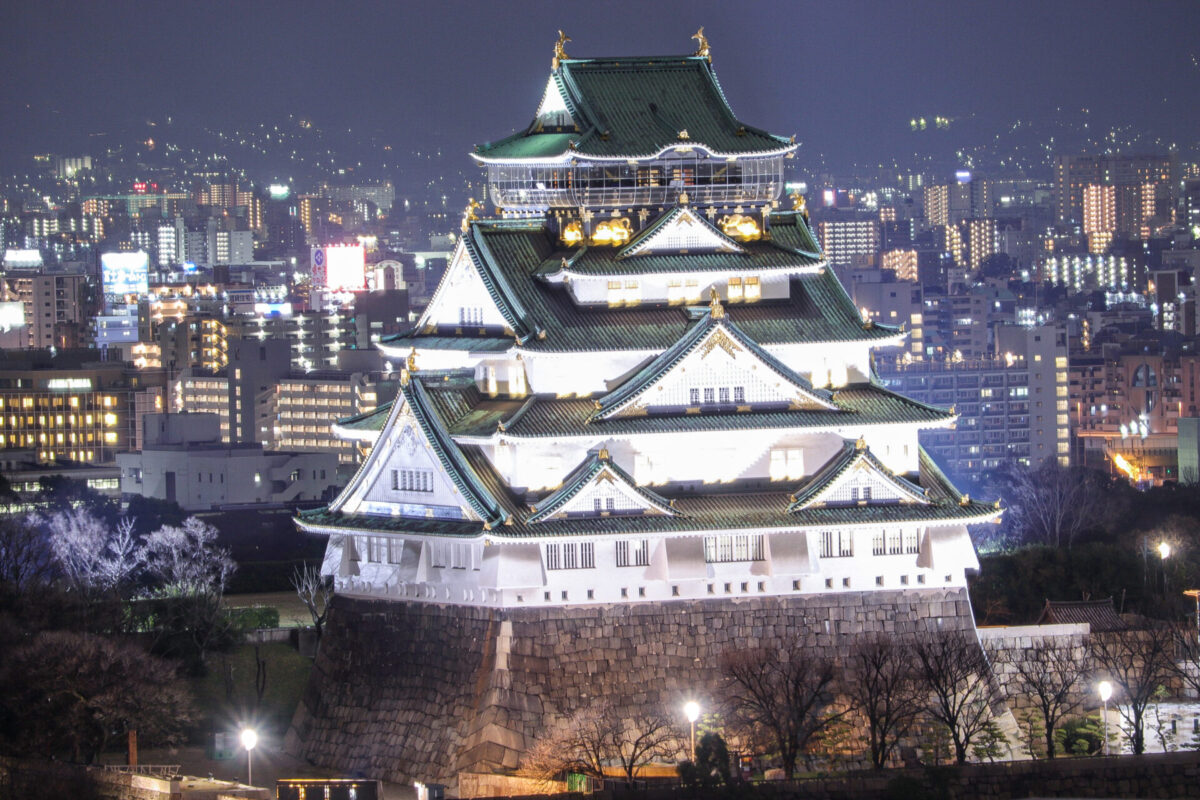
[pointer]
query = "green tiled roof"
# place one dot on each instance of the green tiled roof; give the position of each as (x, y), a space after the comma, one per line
(580, 477)
(448, 453)
(680, 350)
(635, 107)
(847, 457)
(818, 310)
(861, 404)
(500, 289)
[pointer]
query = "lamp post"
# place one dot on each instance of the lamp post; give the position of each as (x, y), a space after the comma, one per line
(1164, 552)
(249, 740)
(691, 710)
(1105, 690)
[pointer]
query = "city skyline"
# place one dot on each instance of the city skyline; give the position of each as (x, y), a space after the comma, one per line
(72, 85)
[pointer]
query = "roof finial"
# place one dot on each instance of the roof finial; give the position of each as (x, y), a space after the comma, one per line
(702, 49)
(412, 360)
(603, 454)
(716, 310)
(861, 444)
(684, 199)
(560, 52)
(469, 214)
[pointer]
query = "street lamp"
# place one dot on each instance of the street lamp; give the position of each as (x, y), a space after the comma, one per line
(1105, 690)
(691, 710)
(1164, 552)
(249, 740)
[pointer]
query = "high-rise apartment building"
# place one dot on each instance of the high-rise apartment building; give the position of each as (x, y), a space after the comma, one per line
(1073, 173)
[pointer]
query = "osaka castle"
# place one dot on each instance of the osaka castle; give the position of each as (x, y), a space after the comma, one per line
(638, 425)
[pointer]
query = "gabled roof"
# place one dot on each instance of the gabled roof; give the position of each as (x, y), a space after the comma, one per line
(1099, 614)
(726, 333)
(791, 247)
(595, 468)
(466, 413)
(413, 397)
(500, 289)
(662, 235)
(817, 309)
(852, 455)
(637, 107)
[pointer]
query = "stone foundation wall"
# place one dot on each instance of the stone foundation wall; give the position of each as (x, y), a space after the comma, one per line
(408, 691)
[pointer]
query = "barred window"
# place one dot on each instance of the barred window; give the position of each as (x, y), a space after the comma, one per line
(837, 544)
(733, 547)
(412, 480)
(634, 553)
(912, 542)
(571, 555)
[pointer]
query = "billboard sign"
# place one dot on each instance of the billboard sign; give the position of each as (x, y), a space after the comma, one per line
(339, 267)
(125, 273)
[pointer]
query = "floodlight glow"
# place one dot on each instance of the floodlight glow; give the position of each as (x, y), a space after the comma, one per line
(1104, 688)
(249, 738)
(691, 710)
(1164, 550)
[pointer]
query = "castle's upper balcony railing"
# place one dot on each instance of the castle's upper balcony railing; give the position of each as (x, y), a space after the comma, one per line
(637, 184)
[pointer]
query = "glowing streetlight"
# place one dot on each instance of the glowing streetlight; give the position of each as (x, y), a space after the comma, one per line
(1104, 688)
(691, 710)
(1164, 550)
(249, 740)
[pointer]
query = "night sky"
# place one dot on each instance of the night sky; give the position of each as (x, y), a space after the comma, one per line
(846, 77)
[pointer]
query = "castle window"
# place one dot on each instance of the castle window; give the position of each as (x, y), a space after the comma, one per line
(412, 480)
(634, 553)
(911, 542)
(895, 544)
(710, 395)
(752, 290)
(837, 544)
(694, 396)
(739, 394)
(571, 555)
(786, 464)
(734, 290)
(734, 547)
(724, 394)
(470, 315)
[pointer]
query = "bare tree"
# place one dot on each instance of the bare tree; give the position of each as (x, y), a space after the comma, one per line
(68, 694)
(599, 736)
(186, 559)
(957, 676)
(190, 572)
(1052, 675)
(885, 688)
(1051, 504)
(1138, 661)
(92, 556)
(26, 559)
(315, 591)
(782, 694)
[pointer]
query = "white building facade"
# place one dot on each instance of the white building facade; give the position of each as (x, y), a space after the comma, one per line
(641, 382)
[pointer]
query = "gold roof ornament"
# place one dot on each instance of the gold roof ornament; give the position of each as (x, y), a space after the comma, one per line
(560, 50)
(404, 377)
(702, 50)
(861, 444)
(412, 360)
(469, 214)
(799, 203)
(603, 454)
(684, 200)
(683, 134)
(716, 310)
(965, 500)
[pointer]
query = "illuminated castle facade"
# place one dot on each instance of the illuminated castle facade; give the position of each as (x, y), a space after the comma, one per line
(639, 386)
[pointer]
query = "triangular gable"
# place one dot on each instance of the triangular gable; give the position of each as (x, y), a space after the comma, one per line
(855, 477)
(553, 112)
(599, 488)
(417, 470)
(713, 356)
(472, 295)
(680, 230)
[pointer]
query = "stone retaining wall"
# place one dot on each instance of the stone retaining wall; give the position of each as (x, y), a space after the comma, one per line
(407, 691)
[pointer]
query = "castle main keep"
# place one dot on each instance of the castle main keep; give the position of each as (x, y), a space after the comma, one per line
(638, 426)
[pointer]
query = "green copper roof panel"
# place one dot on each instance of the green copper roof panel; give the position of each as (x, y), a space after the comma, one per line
(636, 107)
